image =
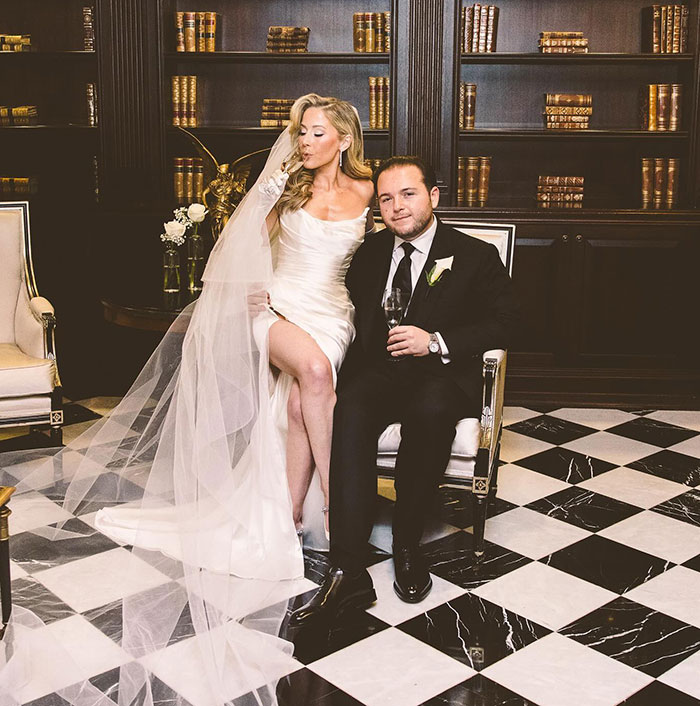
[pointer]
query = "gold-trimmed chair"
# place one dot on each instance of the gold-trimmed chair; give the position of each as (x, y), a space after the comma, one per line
(475, 451)
(30, 387)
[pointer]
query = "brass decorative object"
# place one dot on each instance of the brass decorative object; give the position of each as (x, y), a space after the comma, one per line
(226, 184)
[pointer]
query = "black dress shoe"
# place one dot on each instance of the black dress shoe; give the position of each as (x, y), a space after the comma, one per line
(339, 592)
(413, 582)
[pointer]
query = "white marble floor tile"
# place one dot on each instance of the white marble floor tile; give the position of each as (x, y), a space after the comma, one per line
(685, 676)
(391, 609)
(512, 415)
(680, 417)
(545, 595)
(32, 510)
(611, 447)
(521, 486)
(100, 579)
(64, 653)
(515, 446)
(556, 671)
(391, 668)
(634, 487)
(657, 534)
(16, 571)
(676, 592)
(241, 654)
(594, 418)
(689, 447)
(531, 533)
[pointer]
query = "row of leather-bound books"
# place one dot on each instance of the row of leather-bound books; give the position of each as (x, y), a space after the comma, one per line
(662, 106)
(184, 100)
(379, 102)
(275, 112)
(196, 31)
(559, 191)
(567, 111)
(288, 39)
(188, 180)
(371, 32)
(473, 178)
(18, 115)
(660, 182)
(15, 42)
(478, 29)
(562, 43)
(18, 186)
(665, 29)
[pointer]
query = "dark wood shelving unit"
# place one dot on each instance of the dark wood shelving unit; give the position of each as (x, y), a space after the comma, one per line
(592, 133)
(582, 59)
(259, 57)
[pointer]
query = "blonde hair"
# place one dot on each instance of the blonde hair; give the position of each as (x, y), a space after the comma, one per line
(344, 118)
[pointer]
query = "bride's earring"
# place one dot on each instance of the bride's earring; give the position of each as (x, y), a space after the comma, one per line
(341, 159)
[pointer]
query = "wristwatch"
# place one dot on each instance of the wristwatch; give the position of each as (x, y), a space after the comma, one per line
(434, 344)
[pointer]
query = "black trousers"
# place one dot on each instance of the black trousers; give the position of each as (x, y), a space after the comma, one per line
(428, 407)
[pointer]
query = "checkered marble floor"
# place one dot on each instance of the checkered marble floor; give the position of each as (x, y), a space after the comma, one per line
(588, 594)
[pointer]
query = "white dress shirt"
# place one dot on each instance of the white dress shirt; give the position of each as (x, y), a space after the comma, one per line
(422, 246)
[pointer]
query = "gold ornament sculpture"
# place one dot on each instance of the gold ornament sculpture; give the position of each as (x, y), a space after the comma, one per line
(226, 183)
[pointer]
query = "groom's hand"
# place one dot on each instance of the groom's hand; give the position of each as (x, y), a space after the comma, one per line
(408, 340)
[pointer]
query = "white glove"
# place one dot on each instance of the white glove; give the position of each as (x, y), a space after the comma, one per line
(272, 187)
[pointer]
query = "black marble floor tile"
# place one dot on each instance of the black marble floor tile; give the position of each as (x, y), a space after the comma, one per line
(48, 700)
(452, 558)
(551, 429)
(566, 465)
(684, 507)
(670, 465)
(107, 619)
(75, 413)
(636, 636)
(478, 691)
(543, 407)
(584, 508)
(693, 563)
(473, 631)
(457, 507)
(608, 564)
(47, 606)
(119, 490)
(652, 431)
(303, 688)
(156, 692)
(36, 440)
(658, 694)
(311, 644)
(36, 553)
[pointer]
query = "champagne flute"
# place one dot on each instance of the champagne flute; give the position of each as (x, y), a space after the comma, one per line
(395, 303)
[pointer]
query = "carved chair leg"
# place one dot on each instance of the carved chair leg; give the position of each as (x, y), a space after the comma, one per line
(57, 436)
(480, 504)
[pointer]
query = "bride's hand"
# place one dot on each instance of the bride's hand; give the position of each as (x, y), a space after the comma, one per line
(257, 302)
(272, 187)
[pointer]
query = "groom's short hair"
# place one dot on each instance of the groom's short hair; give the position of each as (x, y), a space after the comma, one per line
(407, 161)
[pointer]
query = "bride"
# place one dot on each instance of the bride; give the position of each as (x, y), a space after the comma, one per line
(240, 389)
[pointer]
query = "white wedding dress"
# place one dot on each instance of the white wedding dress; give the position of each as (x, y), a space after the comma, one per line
(308, 288)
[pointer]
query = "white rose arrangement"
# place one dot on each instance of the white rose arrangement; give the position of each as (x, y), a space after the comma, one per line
(186, 217)
(174, 233)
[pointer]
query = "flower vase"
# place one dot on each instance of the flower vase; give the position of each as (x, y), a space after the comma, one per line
(195, 263)
(171, 270)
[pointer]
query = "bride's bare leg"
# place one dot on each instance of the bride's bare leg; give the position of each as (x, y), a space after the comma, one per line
(300, 460)
(296, 353)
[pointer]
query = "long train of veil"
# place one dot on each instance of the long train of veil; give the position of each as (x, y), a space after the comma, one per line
(191, 439)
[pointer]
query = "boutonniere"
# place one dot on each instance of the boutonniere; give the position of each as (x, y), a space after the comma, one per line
(439, 269)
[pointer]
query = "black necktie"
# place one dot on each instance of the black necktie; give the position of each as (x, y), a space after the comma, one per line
(402, 276)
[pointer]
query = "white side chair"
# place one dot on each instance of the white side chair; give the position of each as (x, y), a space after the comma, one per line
(30, 387)
(475, 451)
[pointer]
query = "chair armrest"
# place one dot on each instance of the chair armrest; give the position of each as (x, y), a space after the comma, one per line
(496, 354)
(34, 327)
(40, 306)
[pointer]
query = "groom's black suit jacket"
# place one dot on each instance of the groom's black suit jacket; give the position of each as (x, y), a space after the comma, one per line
(472, 306)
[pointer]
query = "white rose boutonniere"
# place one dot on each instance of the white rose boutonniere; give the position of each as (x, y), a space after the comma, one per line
(439, 268)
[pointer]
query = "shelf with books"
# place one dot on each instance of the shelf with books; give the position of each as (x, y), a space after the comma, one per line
(257, 130)
(528, 133)
(257, 57)
(583, 59)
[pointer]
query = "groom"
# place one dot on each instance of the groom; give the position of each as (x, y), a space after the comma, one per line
(425, 374)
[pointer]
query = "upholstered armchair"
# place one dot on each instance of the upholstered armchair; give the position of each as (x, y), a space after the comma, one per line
(475, 451)
(30, 388)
